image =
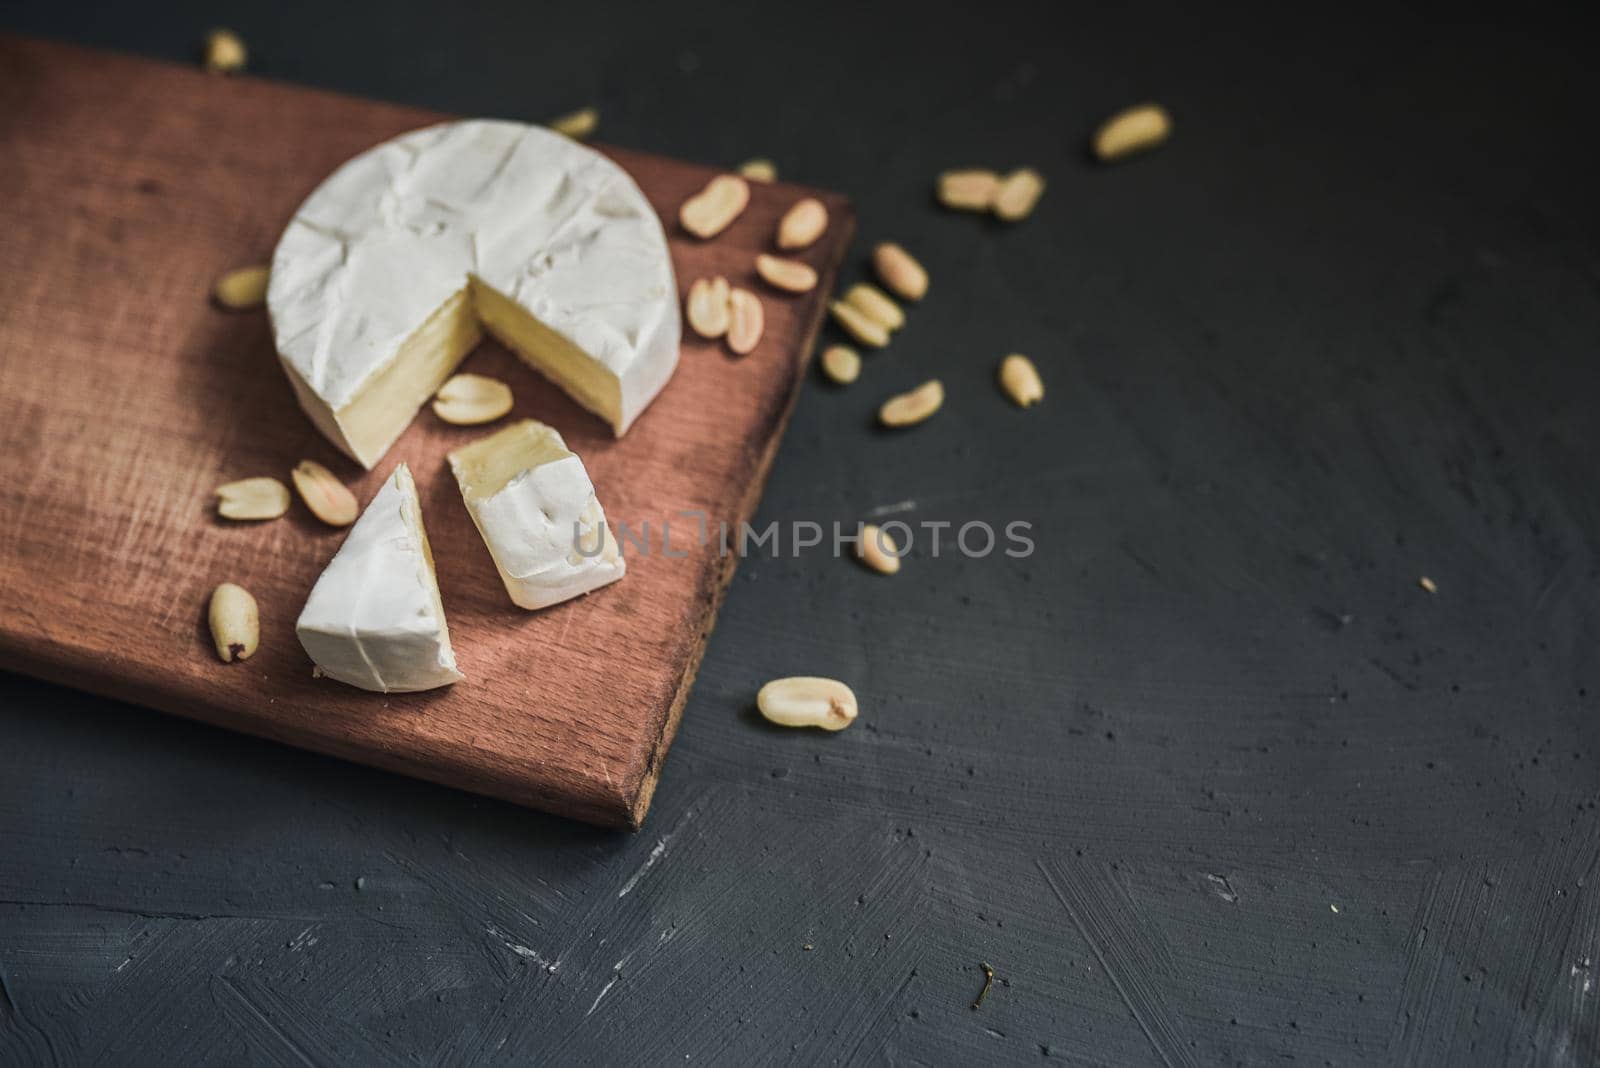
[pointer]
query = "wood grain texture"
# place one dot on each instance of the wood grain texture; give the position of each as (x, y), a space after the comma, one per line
(126, 397)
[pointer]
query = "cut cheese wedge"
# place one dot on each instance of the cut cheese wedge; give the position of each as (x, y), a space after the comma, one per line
(374, 619)
(391, 270)
(536, 509)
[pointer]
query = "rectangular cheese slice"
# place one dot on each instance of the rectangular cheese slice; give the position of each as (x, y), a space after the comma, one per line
(534, 505)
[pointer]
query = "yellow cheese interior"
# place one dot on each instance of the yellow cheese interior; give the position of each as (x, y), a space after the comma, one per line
(484, 467)
(387, 403)
(389, 400)
(547, 352)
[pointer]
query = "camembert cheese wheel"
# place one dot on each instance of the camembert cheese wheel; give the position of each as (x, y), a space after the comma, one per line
(391, 270)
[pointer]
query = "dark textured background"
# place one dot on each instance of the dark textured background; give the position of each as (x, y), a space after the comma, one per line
(1208, 778)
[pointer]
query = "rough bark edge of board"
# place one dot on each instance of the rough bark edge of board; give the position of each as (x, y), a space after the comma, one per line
(639, 804)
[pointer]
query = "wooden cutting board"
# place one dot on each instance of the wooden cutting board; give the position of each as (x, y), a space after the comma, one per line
(126, 188)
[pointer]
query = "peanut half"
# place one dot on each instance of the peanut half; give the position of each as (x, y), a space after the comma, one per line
(708, 311)
(968, 190)
(252, 498)
(791, 276)
(746, 322)
(898, 270)
(242, 289)
(759, 170)
(235, 622)
(1020, 379)
(1135, 129)
(875, 304)
(1018, 194)
(225, 52)
(470, 400)
(329, 499)
(859, 325)
(909, 409)
(807, 701)
(841, 364)
(710, 211)
(878, 550)
(802, 224)
(578, 125)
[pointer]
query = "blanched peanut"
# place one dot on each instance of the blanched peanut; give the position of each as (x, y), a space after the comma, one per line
(807, 701)
(713, 209)
(909, 409)
(235, 622)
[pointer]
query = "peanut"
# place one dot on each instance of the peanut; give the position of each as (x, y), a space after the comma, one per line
(968, 190)
(859, 325)
(841, 363)
(791, 276)
(328, 498)
(1135, 129)
(713, 209)
(225, 52)
(875, 304)
(1018, 194)
(807, 701)
(252, 498)
(802, 224)
(896, 268)
(746, 322)
(242, 289)
(878, 550)
(708, 311)
(235, 622)
(1020, 379)
(470, 400)
(578, 125)
(759, 170)
(909, 409)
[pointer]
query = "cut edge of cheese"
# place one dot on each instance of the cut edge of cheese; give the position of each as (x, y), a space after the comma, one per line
(374, 619)
(536, 509)
(366, 427)
(551, 354)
